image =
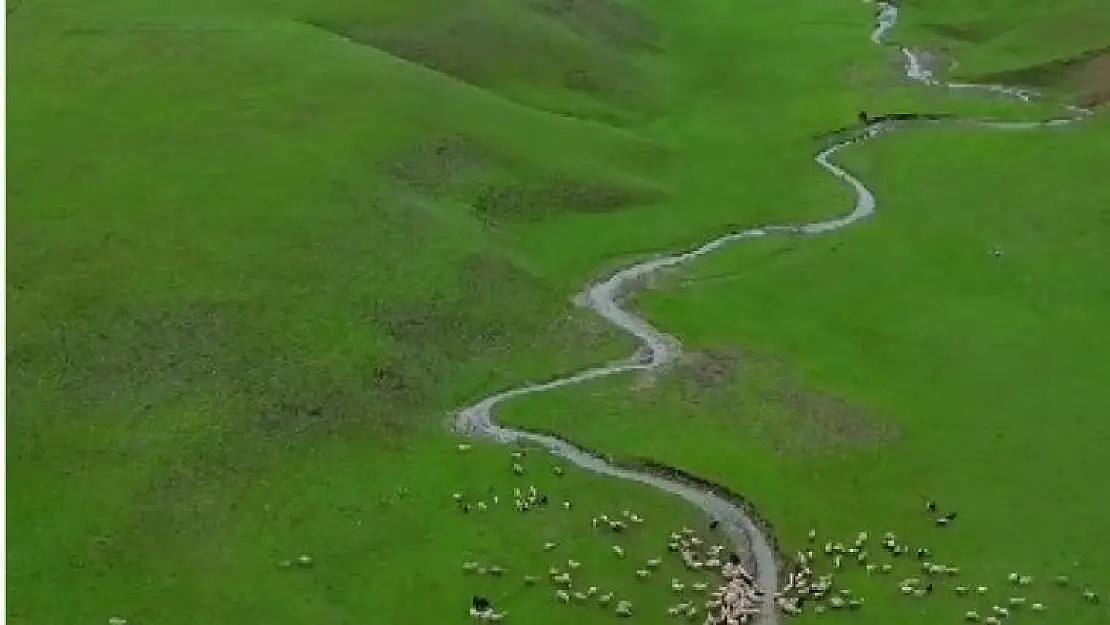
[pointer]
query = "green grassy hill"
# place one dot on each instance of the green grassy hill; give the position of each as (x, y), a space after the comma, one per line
(259, 249)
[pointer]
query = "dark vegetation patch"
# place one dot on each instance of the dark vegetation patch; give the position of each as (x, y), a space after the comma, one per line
(608, 20)
(968, 32)
(432, 167)
(491, 51)
(555, 195)
(1083, 73)
(770, 403)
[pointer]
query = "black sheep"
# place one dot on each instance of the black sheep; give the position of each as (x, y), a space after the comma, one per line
(481, 604)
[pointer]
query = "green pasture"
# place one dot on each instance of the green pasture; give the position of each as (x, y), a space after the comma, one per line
(258, 250)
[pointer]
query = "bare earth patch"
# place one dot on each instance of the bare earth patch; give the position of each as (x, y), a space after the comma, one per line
(1087, 75)
(771, 404)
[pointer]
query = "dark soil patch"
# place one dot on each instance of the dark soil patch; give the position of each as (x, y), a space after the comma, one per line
(1085, 74)
(773, 405)
(554, 196)
(1095, 81)
(434, 166)
(609, 20)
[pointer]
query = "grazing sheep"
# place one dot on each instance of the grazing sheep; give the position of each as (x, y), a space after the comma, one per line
(558, 470)
(1016, 602)
(812, 535)
(972, 615)
(591, 591)
(480, 603)
(496, 617)
(677, 586)
(566, 505)
(643, 574)
(982, 590)
(563, 596)
(574, 565)
(580, 597)
(1037, 607)
(518, 469)
(116, 620)
(855, 604)
(635, 518)
(1000, 611)
(1062, 580)
(563, 579)
(496, 571)
(930, 505)
(1025, 580)
(457, 496)
(699, 586)
(469, 567)
(481, 570)
(618, 551)
(674, 611)
(517, 455)
(961, 590)
(482, 507)
(673, 546)
(553, 571)
(653, 563)
(624, 608)
(992, 620)
(549, 546)
(464, 447)
(530, 580)
(605, 599)
(886, 568)
(1090, 596)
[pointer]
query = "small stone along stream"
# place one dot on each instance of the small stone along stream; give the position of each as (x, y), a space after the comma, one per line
(749, 534)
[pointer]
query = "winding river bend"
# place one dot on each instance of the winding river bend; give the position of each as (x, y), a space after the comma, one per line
(750, 536)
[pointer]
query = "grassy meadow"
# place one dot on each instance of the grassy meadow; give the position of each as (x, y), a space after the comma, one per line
(840, 381)
(258, 250)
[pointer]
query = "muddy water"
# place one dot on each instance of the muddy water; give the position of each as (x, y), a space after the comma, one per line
(747, 535)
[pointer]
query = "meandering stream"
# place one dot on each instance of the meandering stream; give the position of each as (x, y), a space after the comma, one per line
(747, 534)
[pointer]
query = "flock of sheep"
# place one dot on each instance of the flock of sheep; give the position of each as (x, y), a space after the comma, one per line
(734, 602)
(737, 599)
(807, 587)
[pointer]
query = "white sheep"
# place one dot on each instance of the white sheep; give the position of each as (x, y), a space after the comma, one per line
(518, 469)
(580, 597)
(469, 567)
(591, 591)
(549, 546)
(605, 599)
(618, 551)
(677, 586)
(563, 596)
(563, 579)
(653, 563)
(1000, 611)
(574, 565)
(643, 574)
(1025, 580)
(1090, 596)
(530, 580)
(1017, 601)
(1037, 607)
(635, 518)
(992, 620)
(517, 455)
(972, 615)
(624, 608)
(482, 506)
(117, 620)
(464, 447)
(699, 586)
(982, 590)
(566, 505)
